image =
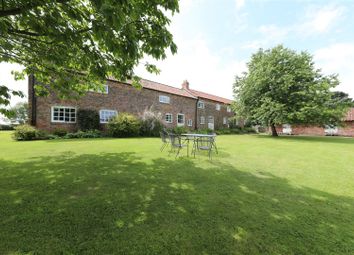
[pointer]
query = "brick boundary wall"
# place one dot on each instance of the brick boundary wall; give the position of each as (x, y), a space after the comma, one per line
(347, 129)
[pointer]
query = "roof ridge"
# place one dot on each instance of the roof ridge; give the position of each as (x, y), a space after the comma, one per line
(210, 94)
(161, 84)
(188, 91)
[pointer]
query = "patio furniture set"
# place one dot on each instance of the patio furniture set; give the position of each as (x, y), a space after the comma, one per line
(200, 142)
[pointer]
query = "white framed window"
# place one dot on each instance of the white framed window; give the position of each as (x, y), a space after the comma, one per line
(63, 114)
(164, 99)
(105, 89)
(201, 105)
(217, 107)
(224, 121)
(228, 109)
(180, 119)
(202, 120)
(168, 118)
(106, 115)
(189, 122)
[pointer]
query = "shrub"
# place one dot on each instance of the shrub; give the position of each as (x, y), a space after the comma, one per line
(88, 119)
(179, 130)
(249, 130)
(6, 127)
(84, 134)
(51, 137)
(205, 131)
(124, 125)
(60, 132)
(26, 133)
(151, 124)
(89, 134)
(224, 131)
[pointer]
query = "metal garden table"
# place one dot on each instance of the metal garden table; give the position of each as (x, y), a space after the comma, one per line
(195, 137)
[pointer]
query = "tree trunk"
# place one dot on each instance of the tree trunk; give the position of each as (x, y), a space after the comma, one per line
(274, 130)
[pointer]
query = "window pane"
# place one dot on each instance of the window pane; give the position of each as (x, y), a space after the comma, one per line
(63, 114)
(164, 99)
(180, 118)
(106, 115)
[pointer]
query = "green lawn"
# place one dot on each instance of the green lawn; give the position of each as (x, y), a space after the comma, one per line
(260, 195)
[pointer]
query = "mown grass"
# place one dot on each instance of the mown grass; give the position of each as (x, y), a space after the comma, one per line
(260, 195)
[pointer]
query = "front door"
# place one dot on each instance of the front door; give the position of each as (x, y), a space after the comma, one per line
(211, 122)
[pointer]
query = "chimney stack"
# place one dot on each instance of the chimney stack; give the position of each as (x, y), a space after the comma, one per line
(185, 85)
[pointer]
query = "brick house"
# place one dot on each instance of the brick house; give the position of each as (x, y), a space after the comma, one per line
(177, 106)
(346, 129)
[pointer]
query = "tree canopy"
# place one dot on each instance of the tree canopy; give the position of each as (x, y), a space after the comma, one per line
(74, 45)
(283, 86)
(342, 98)
(18, 114)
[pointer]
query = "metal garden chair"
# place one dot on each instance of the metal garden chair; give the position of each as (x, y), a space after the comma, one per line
(205, 144)
(165, 139)
(176, 143)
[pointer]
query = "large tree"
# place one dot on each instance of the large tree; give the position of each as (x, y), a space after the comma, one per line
(18, 114)
(74, 45)
(342, 98)
(283, 86)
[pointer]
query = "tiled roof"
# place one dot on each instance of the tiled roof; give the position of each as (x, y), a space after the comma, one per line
(350, 115)
(210, 97)
(181, 92)
(165, 88)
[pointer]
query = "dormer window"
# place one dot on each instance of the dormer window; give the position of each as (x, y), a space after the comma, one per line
(164, 99)
(201, 105)
(217, 107)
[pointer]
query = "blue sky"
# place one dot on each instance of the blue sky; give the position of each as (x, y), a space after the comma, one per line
(216, 38)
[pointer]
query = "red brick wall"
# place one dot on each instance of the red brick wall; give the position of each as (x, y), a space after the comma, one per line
(121, 97)
(307, 130)
(346, 130)
(210, 110)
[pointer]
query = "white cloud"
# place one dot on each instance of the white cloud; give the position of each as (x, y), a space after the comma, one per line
(188, 5)
(316, 20)
(240, 22)
(205, 70)
(271, 35)
(273, 31)
(319, 20)
(338, 58)
(239, 4)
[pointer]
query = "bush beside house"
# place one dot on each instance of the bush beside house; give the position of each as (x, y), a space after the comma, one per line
(88, 119)
(26, 133)
(151, 124)
(124, 125)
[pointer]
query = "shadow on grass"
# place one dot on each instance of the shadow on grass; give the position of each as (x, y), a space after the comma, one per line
(118, 203)
(321, 139)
